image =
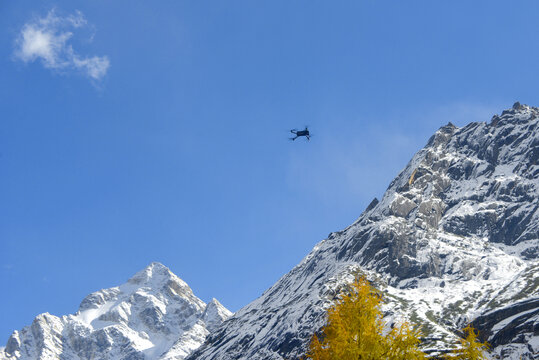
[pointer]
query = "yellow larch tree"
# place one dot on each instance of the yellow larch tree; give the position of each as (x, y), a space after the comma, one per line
(470, 347)
(354, 330)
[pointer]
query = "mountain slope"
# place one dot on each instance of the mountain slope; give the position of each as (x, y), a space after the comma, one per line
(155, 315)
(455, 238)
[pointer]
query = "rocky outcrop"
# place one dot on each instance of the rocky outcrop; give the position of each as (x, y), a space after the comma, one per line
(503, 326)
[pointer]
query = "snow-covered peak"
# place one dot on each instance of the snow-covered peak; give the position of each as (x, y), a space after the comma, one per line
(517, 114)
(214, 314)
(155, 276)
(155, 314)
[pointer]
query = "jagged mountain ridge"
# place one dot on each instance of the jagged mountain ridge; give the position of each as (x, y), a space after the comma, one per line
(454, 239)
(155, 315)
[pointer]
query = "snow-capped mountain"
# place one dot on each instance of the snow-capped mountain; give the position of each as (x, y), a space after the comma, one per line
(454, 239)
(155, 315)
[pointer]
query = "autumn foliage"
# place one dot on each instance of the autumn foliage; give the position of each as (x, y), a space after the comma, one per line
(354, 330)
(470, 348)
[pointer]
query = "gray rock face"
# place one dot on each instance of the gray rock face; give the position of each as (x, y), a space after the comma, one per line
(510, 324)
(454, 239)
(155, 315)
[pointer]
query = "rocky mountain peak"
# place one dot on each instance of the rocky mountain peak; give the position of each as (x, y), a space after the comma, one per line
(214, 314)
(159, 279)
(154, 315)
(155, 273)
(518, 113)
(442, 135)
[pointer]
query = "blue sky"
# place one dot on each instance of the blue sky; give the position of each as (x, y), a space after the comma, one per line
(133, 131)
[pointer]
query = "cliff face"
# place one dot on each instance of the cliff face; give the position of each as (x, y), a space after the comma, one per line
(454, 239)
(155, 315)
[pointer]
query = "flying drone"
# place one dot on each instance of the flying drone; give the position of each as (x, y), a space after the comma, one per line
(299, 133)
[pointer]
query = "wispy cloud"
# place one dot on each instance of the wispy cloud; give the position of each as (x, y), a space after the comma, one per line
(47, 39)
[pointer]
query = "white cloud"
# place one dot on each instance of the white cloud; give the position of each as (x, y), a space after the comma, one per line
(47, 39)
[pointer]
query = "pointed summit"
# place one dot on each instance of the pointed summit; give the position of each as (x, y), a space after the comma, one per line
(154, 313)
(443, 135)
(154, 271)
(214, 314)
(158, 276)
